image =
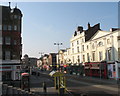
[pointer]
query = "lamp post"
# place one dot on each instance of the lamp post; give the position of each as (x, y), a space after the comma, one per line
(41, 53)
(58, 44)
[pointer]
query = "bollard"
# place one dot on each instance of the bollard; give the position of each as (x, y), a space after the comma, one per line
(61, 91)
(1, 83)
(22, 92)
(26, 93)
(19, 92)
(10, 91)
(31, 94)
(4, 89)
(15, 91)
(44, 87)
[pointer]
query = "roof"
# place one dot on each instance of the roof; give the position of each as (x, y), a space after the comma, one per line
(91, 31)
(7, 11)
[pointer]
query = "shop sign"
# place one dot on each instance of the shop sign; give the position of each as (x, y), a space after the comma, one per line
(94, 66)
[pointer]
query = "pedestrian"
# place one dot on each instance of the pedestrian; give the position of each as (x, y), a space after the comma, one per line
(44, 87)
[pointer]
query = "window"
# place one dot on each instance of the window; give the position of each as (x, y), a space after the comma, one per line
(109, 54)
(118, 37)
(7, 55)
(78, 49)
(100, 44)
(83, 58)
(72, 44)
(100, 55)
(77, 42)
(88, 57)
(1, 40)
(15, 27)
(15, 42)
(9, 27)
(78, 59)
(4, 27)
(93, 55)
(108, 41)
(7, 40)
(87, 47)
(82, 40)
(73, 59)
(15, 16)
(93, 45)
(19, 17)
(0, 27)
(82, 47)
(18, 28)
(119, 54)
(72, 50)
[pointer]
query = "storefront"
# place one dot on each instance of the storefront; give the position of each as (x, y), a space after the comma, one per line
(96, 69)
(10, 72)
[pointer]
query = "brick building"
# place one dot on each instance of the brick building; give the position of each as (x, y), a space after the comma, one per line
(10, 42)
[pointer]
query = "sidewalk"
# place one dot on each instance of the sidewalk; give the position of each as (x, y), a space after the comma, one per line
(50, 90)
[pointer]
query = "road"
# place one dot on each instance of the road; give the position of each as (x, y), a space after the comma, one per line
(76, 85)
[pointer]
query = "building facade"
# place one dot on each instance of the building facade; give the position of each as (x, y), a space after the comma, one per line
(10, 43)
(92, 47)
(52, 61)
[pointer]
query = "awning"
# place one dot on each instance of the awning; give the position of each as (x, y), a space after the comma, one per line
(56, 74)
(25, 74)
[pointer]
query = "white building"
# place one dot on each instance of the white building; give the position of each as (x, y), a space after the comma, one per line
(95, 45)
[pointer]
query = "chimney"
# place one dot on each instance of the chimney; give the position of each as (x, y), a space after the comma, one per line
(9, 4)
(80, 28)
(88, 25)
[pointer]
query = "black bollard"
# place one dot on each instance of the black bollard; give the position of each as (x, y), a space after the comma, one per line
(61, 91)
(44, 87)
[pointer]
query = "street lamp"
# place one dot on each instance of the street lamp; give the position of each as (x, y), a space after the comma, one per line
(58, 44)
(41, 53)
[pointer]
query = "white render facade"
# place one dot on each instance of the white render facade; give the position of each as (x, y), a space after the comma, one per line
(103, 46)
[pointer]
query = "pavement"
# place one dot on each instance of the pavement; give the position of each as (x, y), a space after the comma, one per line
(49, 90)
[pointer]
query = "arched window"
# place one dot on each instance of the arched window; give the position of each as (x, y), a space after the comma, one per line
(100, 44)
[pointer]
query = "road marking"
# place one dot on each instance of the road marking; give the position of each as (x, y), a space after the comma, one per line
(98, 86)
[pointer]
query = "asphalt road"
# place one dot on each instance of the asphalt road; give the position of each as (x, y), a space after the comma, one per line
(76, 86)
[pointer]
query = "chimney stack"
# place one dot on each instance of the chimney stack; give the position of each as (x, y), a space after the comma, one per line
(88, 25)
(9, 4)
(80, 28)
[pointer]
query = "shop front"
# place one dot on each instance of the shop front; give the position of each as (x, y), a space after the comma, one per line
(96, 69)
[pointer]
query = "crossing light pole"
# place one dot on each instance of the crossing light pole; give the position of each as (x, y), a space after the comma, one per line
(58, 44)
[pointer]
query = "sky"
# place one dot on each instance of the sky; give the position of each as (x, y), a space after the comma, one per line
(46, 23)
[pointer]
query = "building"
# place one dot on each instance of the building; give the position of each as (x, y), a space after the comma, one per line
(97, 50)
(28, 63)
(10, 42)
(39, 63)
(52, 61)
